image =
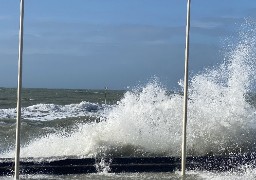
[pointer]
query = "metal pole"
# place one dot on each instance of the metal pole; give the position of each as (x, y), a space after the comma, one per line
(185, 107)
(106, 88)
(18, 123)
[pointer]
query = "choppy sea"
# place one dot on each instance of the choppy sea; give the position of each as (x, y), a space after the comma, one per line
(144, 121)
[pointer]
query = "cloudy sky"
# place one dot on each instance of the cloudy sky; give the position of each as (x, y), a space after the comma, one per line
(114, 43)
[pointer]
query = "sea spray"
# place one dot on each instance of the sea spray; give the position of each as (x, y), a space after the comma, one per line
(147, 121)
(140, 125)
(220, 118)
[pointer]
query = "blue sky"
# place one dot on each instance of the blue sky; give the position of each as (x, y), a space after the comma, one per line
(114, 43)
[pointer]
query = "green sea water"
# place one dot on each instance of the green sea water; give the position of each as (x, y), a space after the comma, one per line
(35, 129)
(8, 96)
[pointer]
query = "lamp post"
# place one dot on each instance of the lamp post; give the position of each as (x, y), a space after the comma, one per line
(18, 123)
(185, 106)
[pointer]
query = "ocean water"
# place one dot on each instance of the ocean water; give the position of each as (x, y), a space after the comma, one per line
(144, 121)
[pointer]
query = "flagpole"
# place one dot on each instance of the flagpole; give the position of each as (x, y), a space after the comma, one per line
(18, 123)
(185, 106)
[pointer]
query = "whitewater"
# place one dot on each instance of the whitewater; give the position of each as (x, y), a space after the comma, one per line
(147, 120)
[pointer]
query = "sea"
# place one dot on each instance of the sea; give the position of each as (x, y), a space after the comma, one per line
(144, 121)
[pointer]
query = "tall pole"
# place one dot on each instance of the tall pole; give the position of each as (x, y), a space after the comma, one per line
(185, 107)
(18, 123)
(106, 88)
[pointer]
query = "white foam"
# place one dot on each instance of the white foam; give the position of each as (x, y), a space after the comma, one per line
(148, 120)
(46, 112)
(244, 172)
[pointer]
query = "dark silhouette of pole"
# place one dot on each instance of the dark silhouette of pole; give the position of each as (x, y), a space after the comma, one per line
(106, 88)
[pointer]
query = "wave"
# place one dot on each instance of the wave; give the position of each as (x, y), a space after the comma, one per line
(147, 121)
(47, 112)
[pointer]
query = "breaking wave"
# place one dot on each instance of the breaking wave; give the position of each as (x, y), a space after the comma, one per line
(147, 121)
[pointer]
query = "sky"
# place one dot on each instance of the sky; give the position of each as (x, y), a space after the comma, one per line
(115, 43)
